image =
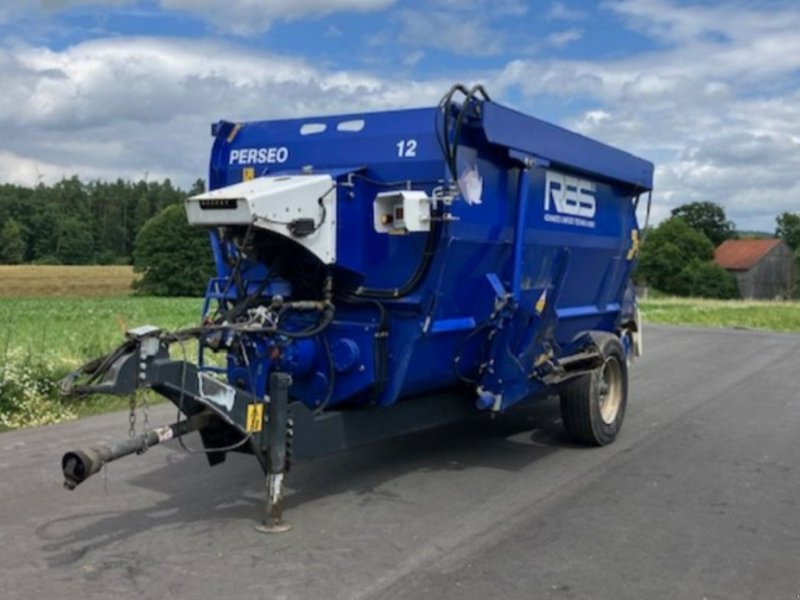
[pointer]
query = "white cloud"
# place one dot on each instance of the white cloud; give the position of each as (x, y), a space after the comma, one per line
(487, 8)
(670, 22)
(463, 27)
(241, 17)
(412, 58)
(560, 39)
(23, 170)
(12, 9)
(245, 17)
(561, 12)
(124, 106)
(455, 32)
(62, 4)
(718, 109)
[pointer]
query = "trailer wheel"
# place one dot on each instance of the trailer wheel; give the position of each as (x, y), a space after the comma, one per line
(593, 405)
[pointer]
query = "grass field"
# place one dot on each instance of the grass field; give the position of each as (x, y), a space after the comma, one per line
(71, 330)
(772, 316)
(41, 340)
(44, 281)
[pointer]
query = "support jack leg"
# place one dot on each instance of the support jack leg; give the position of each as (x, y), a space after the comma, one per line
(277, 428)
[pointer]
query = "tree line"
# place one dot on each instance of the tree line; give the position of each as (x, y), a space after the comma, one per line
(72, 222)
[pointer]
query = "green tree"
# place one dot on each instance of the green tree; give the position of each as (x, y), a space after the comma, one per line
(668, 249)
(788, 229)
(796, 282)
(12, 243)
(75, 245)
(198, 187)
(704, 280)
(110, 215)
(42, 222)
(708, 218)
(173, 258)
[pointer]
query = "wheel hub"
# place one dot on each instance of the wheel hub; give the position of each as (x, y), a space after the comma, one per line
(610, 390)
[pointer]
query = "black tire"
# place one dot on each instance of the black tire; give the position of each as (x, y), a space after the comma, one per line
(593, 405)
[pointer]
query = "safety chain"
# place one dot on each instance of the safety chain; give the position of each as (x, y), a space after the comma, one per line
(289, 439)
(146, 410)
(132, 416)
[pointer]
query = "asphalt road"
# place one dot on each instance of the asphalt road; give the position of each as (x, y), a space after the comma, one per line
(698, 498)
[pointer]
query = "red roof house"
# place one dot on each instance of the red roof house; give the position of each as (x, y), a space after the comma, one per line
(763, 268)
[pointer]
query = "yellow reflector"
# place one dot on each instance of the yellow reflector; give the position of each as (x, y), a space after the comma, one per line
(255, 417)
(234, 131)
(541, 303)
(634, 250)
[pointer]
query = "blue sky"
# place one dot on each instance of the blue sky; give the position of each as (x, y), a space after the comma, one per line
(709, 91)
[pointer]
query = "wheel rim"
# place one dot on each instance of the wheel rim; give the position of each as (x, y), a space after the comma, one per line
(610, 391)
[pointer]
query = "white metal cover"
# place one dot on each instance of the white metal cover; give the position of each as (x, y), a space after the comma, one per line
(272, 203)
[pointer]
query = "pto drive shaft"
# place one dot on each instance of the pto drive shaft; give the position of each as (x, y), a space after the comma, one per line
(79, 465)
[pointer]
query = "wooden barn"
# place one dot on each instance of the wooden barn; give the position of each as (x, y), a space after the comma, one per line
(763, 268)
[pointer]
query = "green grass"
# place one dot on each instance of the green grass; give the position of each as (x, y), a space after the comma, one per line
(71, 330)
(41, 340)
(772, 316)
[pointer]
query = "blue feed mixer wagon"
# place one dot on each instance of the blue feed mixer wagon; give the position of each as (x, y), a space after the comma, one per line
(383, 273)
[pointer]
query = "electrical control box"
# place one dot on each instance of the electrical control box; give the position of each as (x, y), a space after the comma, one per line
(402, 212)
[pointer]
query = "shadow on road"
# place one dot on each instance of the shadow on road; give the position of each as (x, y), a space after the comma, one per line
(189, 493)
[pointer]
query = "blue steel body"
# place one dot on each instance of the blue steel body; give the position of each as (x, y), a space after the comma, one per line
(510, 290)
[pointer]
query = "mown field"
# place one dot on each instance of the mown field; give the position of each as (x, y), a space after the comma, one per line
(76, 317)
(44, 281)
(771, 316)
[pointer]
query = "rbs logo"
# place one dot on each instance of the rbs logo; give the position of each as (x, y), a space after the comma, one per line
(569, 200)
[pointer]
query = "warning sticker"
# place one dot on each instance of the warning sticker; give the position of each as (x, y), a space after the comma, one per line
(541, 303)
(255, 418)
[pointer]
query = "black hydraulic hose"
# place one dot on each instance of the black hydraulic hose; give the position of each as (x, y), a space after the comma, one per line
(459, 123)
(443, 132)
(432, 240)
(331, 375)
(462, 346)
(328, 311)
(180, 432)
(95, 369)
(450, 154)
(381, 360)
(434, 234)
(235, 275)
(240, 307)
(380, 349)
(444, 108)
(327, 316)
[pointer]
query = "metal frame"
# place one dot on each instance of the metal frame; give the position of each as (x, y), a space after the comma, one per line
(221, 414)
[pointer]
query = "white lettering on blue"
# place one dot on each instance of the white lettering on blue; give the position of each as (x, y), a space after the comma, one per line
(569, 200)
(258, 156)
